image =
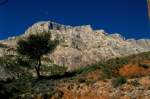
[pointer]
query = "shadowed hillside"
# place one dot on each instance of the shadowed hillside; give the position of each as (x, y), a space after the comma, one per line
(121, 78)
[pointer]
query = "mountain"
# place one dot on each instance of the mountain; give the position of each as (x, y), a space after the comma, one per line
(111, 67)
(81, 45)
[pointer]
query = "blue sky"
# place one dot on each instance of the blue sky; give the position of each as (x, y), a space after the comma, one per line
(127, 17)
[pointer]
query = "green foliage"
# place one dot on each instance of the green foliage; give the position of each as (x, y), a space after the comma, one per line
(81, 79)
(111, 67)
(139, 57)
(12, 67)
(14, 88)
(58, 94)
(57, 70)
(144, 65)
(28, 87)
(90, 81)
(9, 63)
(119, 81)
(107, 67)
(116, 63)
(24, 61)
(46, 87)
(36, 46)
(107, 72)
(86, 80)
(86, 69)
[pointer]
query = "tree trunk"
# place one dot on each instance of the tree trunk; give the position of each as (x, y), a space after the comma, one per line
(37, 71)
(38, 67)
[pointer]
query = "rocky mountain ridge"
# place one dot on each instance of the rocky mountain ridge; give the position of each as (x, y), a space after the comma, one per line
(81, 45)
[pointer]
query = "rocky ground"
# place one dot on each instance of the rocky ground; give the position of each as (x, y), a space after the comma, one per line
(120, 78)
(133, 89)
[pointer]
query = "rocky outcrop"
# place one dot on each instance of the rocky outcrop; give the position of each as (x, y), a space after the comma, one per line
(81, 45)
(144, 43)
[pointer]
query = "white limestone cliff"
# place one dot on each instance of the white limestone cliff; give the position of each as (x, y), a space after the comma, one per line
(82, 46)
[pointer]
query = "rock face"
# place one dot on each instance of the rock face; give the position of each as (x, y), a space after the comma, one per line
(81, 45)
(144, 43)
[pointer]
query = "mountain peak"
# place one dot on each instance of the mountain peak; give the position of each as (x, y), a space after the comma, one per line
(50, 25)
(81, 45)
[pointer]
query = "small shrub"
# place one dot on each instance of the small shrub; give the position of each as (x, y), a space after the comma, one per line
(25, 62)
(58, 94)
(107, 72)
(85, 80)
(86, 69)
(117, 63)
(146, 66)
(90, 82)
(135, 83)
(57, 70)
(119, 81)
(81, 80)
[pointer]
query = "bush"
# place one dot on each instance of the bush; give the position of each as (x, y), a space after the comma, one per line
(87, 69)
(90, 82)
(9, 64)
(119, 81)
(135, 83)
(12, 89)
(57, 70)
(146, 66)
(25, 62)
(13, 66)
(81, 80)
(107, 72)
(116, 63)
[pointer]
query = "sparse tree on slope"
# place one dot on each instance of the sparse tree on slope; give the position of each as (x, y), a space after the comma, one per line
(35, 46)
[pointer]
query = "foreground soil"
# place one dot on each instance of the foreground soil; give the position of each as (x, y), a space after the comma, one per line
(127, 78)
